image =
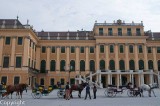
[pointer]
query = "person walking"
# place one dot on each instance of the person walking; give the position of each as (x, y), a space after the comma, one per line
(59, 85)
(67, 91)
(94, 91)
(87, 92)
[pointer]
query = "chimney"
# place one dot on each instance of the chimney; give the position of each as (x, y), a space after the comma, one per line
(15, 24)
(17, 17)
(27, 21)
(3, 24)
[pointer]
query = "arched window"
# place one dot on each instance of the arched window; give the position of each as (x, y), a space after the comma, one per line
(62, 65)
(92, 65)
(131, 65)
(53, 65)
(72, 65)
(150, 64)
(140, 48)
(111, 65)
(130, 48)
(82, 65)
(43, 66)
(42, 81)
(111, 49)
(101, 48)
(121, 65)
(102, 65)
(121, 50)
(141, 64)
(158, 65)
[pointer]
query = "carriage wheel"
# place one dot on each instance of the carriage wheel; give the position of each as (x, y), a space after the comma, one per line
(130, 93)
(60, 94)
(2, 92)
(38, 94)
(105, 92)
(33, 95)
(4, 96)
(114, 94)
(0, 95)
(110, 93)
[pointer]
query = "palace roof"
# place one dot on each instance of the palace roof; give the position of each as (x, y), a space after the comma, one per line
(68, 35)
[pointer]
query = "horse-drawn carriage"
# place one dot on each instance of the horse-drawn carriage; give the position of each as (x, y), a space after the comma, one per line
(5, 91)
(41, 91)
(113, 90)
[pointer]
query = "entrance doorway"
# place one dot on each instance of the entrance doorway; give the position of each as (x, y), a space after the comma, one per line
(124, 80)
(113, 81)
(104, 81)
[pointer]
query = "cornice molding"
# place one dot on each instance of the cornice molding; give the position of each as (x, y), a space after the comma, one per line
(14, 37)
(27, 37)
(48, 46)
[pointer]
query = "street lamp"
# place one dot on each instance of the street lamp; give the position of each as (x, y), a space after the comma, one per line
(69, 70)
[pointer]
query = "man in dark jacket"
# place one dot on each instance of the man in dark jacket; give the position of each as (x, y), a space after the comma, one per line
(87, 91)
(94, 91)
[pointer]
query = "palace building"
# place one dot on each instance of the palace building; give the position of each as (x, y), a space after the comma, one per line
(116, 52)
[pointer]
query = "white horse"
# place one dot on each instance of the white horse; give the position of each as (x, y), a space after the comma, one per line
(149, 88)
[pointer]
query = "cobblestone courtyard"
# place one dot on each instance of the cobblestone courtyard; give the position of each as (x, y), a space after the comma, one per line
(102, 100)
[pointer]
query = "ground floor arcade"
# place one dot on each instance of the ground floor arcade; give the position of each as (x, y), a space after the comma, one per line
(102, 78)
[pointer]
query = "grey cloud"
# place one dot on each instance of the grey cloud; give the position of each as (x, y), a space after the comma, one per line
(59, 15)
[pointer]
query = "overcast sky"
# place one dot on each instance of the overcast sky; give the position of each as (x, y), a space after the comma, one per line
(73, 15)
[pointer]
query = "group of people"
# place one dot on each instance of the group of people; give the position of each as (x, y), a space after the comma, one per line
(88, 91)
(67, 91)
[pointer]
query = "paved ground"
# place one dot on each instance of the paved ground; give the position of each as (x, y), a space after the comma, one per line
(102, 100)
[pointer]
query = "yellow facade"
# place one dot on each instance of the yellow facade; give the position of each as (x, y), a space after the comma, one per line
(36, 65)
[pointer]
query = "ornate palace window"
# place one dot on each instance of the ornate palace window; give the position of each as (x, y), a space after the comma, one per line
(43, 66)
(6, 62)
(18, 62)
(72, 65)
(82, 65)
(8, 40)
(150, 64)
(62, 65)
(130, 48)
(102, 65)
(53, 65)
(121, 65)
(101, 48)
(121, 49)
(92, 65)
(111, 49)
(141, 64)
(111, 65)
(131, 65)
(20, 40)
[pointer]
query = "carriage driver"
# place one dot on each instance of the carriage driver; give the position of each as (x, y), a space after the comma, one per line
(67, 91)
(3, 86)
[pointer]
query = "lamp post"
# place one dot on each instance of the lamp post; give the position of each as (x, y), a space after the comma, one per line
(69, 67)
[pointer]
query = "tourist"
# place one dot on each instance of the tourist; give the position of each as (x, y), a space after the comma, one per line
(67, 91)
(94, 91)
(36, 85)
(87, 92)
(59, 85)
